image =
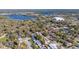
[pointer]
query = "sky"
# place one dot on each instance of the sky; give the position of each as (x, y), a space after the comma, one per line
(39, 4)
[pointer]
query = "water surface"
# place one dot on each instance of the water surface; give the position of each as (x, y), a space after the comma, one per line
(21, 17)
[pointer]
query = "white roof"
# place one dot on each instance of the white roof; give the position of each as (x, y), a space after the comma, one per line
(59, 18)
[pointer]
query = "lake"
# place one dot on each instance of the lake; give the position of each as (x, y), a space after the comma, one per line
(21, 17)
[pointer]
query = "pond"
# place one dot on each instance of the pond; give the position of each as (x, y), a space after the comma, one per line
(21, 17)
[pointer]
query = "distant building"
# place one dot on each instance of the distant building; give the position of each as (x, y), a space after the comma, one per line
(58, 19)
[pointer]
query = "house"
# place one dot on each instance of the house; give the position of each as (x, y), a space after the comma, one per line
(58, 19)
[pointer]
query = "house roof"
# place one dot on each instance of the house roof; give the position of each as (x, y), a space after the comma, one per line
(59, 18)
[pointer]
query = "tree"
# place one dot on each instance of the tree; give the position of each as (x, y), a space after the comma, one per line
(41, 38)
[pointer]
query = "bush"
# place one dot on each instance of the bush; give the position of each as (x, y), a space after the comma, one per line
(39, 37)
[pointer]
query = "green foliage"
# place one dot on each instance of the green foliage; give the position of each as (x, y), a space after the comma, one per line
(34, 45)
(41, 38)
(3, 39)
